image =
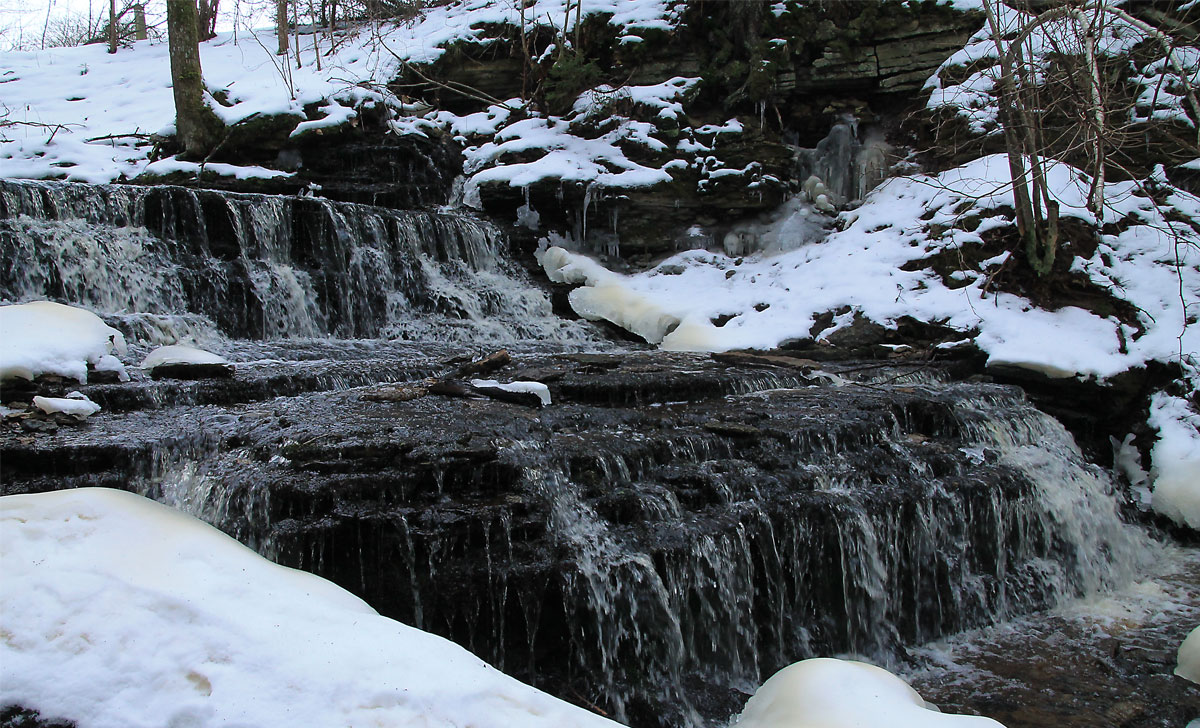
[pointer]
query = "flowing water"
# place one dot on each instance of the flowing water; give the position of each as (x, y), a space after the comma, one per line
(654, 544)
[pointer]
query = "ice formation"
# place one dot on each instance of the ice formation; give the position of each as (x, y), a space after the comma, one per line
(1188, 666)
(541, 390)
(74, 404)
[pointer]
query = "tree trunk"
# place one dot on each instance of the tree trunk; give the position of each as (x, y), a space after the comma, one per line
(196, 126)
(207, 19)
(1038, 227)
(296, 31)
(112, 26)
(139, 22)
(281, 27)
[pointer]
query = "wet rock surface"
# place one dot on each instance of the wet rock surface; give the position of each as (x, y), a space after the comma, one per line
(668, 532)
(1106, 661)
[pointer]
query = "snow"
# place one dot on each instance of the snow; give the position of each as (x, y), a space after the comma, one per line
(171, 165)
(180, 354)
(568, 158)
(1188, 666)
(541, 390)
(1175, 461)
(665, 98)
(85, 115)
(74, 404)
(830, 693)
(861, 268)
(119, 612)
(49, 338)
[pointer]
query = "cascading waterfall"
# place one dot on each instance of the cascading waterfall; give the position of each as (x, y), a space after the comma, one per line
(264, 267)
(654, 568)
(650, 555)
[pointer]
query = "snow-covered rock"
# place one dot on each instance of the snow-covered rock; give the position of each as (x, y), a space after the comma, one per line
(829, 693)
(186, 362)
(50, 338)
(1188, 666)
(118, 612)
(74, 404)
(180, 354)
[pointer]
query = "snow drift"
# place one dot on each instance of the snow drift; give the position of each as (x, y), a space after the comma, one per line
(123, 613)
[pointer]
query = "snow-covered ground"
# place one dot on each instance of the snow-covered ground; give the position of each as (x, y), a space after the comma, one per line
(120, 612)
(774, 298)
(84, 115)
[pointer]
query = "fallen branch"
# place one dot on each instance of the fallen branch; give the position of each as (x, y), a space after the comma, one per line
(452, 384)
(109, 137)
(486, 365)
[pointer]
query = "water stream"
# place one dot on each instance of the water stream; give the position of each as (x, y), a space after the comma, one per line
(654, 544)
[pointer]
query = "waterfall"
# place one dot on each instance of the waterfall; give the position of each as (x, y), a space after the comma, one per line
(657, 568)
(263, 267)
(670, 532)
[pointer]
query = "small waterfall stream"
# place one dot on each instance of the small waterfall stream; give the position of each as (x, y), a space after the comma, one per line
(658, 541)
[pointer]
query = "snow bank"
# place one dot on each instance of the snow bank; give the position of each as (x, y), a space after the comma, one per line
(1175, 462)
(75, 404)
(120, 612)
(774, 298)
(1188, 666)
(179, 354)
(541, 390)
(50, 338)
(828, 693)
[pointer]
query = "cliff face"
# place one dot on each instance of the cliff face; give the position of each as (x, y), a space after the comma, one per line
(767, 82)
(669, 134)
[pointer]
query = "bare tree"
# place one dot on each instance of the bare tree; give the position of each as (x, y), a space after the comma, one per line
(1032, 90)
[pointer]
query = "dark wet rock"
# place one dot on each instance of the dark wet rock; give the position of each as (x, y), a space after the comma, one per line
(104, 377)
(1095, 411)
(37, 424)
(1076, 670)
(192, 371)
(733, 429)
(486, 365)
(16, 716)
(545, 375)
(770, 359)
(395, 393)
